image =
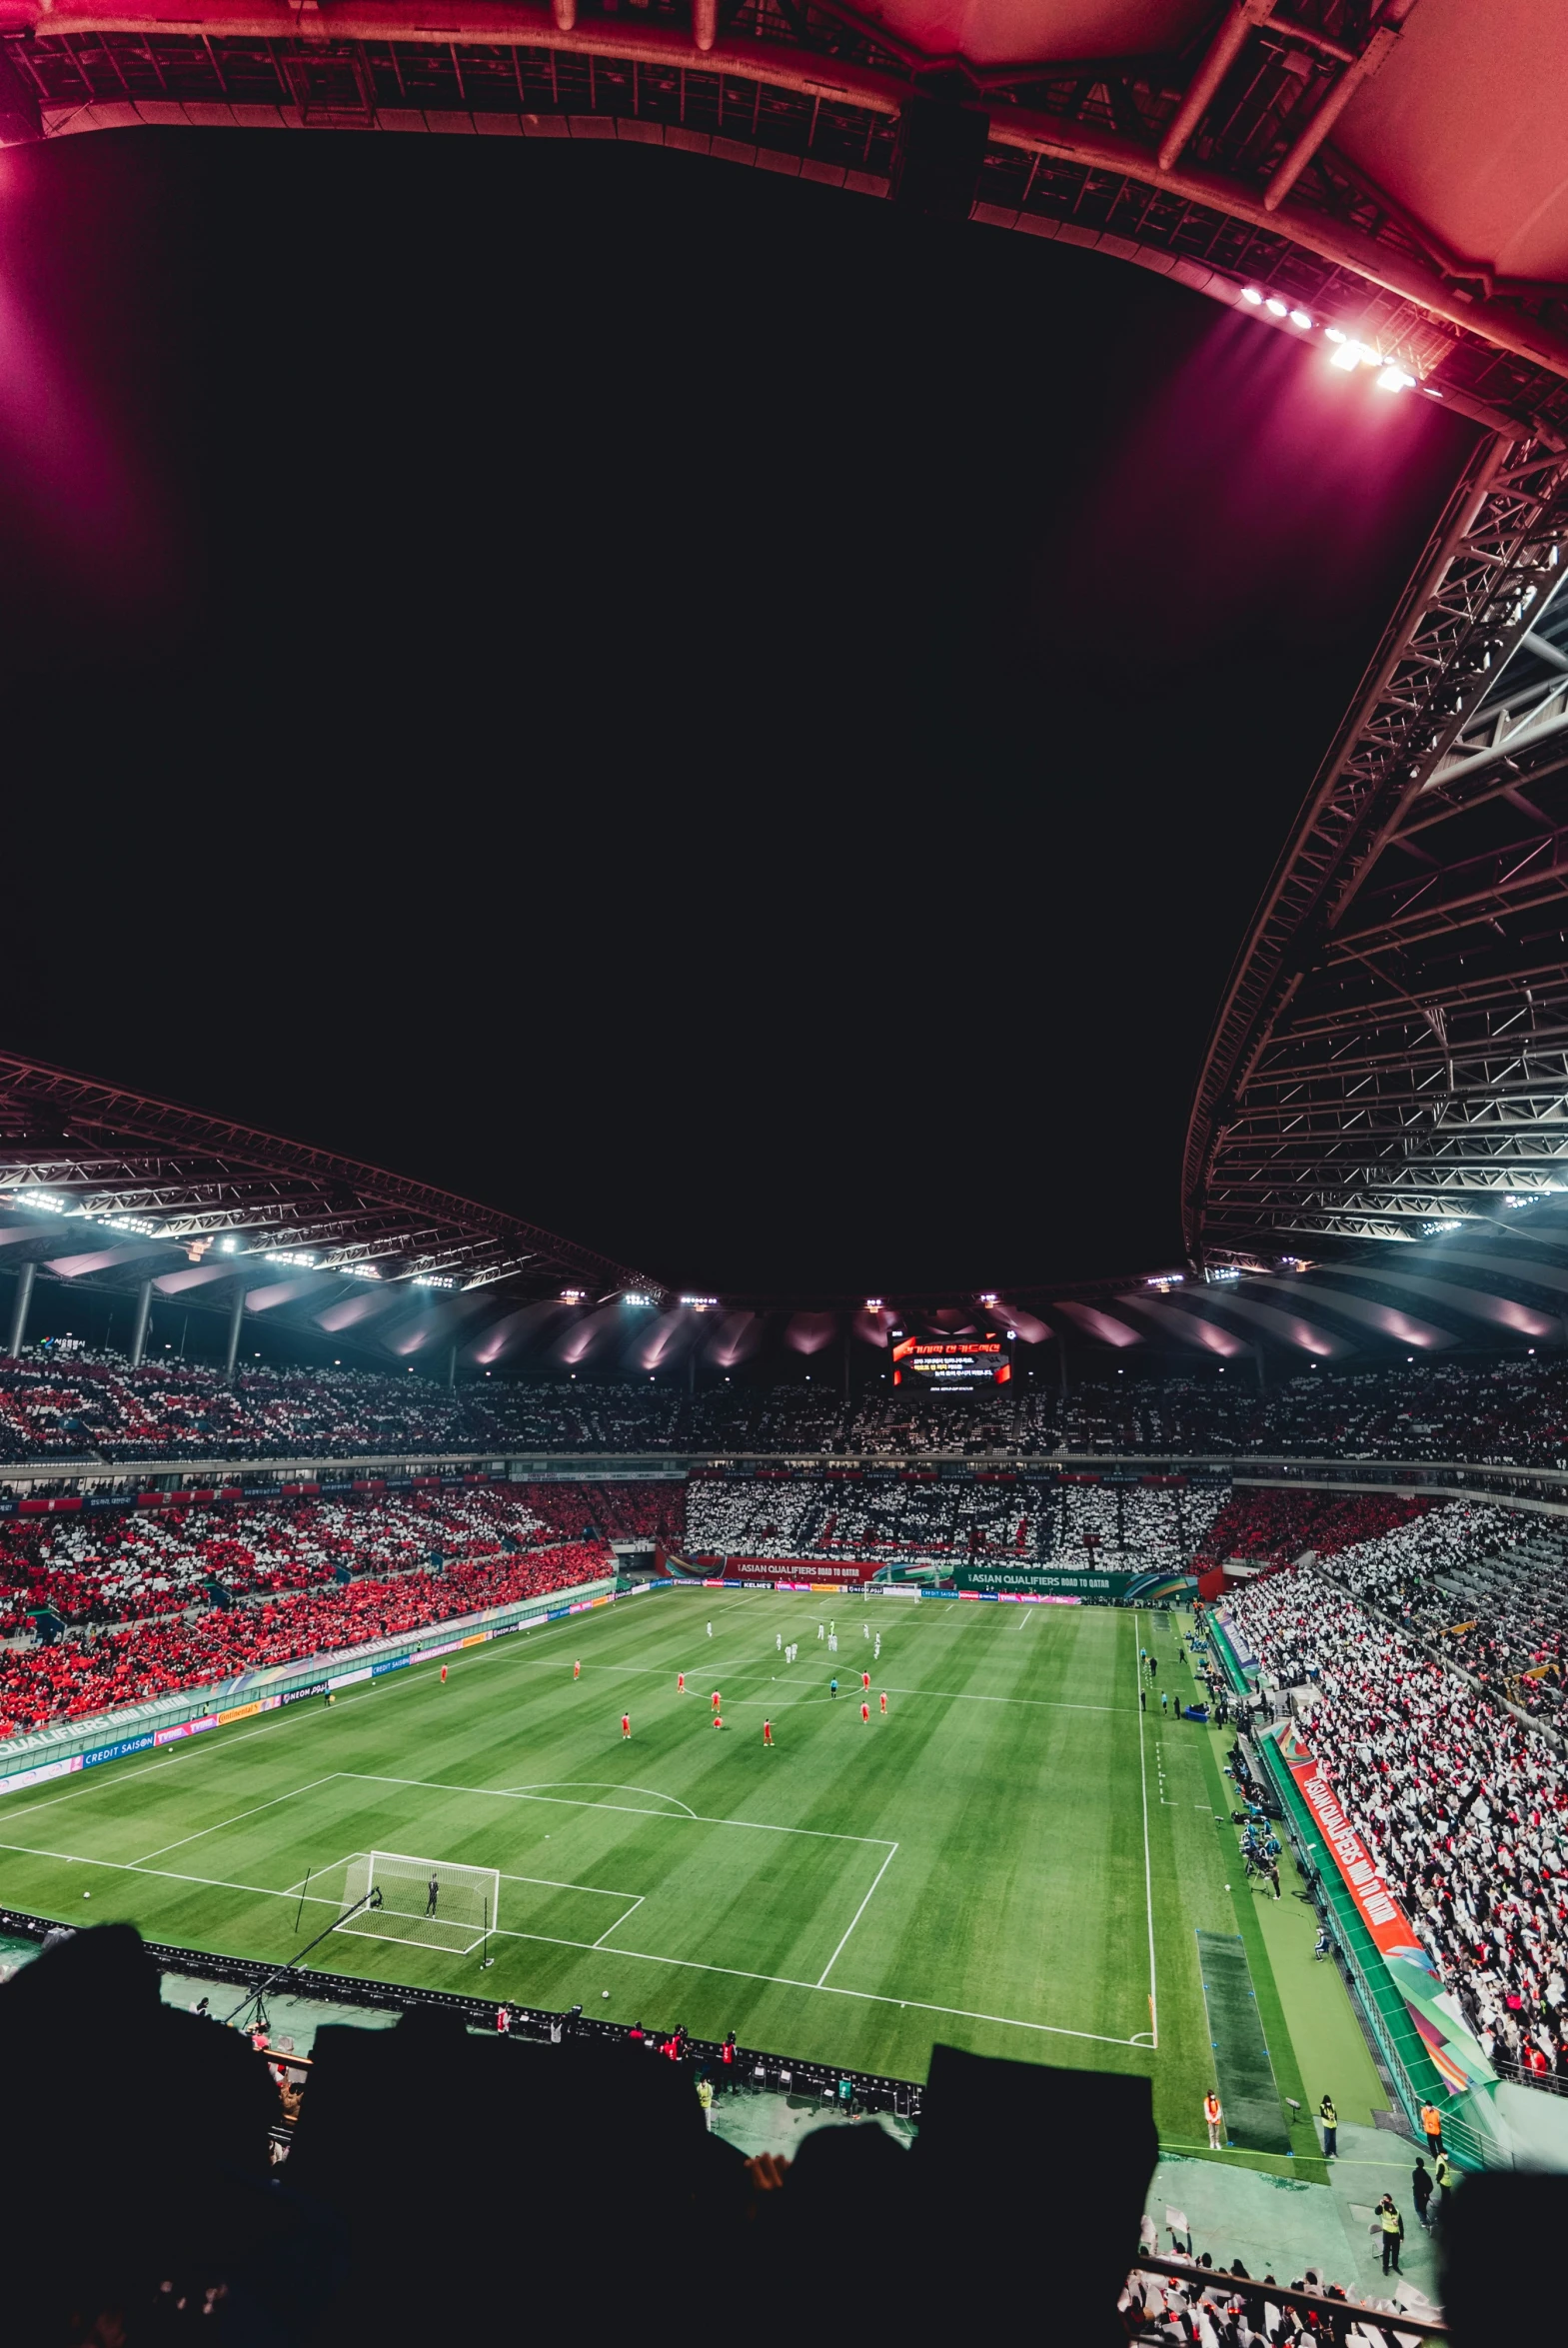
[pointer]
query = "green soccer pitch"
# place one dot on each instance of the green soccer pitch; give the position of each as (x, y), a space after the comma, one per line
(1017, 1859)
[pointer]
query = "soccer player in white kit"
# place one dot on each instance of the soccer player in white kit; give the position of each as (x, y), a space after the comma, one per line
(709, 1630)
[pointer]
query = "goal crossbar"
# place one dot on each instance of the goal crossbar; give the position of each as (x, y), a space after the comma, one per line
(429, 1903)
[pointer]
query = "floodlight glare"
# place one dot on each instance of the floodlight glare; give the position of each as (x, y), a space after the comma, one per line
(1300, 318)
(1334, 334)
(1275, 307)
(874, 1303)
(1251, 294)
(1349, 357)
(1396, 378)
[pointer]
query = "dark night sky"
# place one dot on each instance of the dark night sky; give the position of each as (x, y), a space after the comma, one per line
(678, 701)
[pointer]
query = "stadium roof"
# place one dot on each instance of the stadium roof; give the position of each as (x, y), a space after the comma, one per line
(98, 1180)
(1384, 180)
(1395, 169)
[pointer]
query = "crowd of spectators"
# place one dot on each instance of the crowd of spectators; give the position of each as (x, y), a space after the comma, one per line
(89, 1672)
(1024, 1519)
(1260, 1527)
(114, 1567)
(1463, 1805)
(84, 1407)
(1486, 1587)
(610, 1512)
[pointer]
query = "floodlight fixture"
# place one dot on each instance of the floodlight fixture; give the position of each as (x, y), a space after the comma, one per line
(1348, 357)
(1276, 307)
(637, 1297)
(1249, 293)
(989, 1297)
(572, 1295)
(874, 1303)
(1301, 319)
(701, 1304)
(1394, 379)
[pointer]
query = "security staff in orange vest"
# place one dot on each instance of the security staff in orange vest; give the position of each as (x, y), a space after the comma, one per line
(1215, 2117)
(1432, 2126)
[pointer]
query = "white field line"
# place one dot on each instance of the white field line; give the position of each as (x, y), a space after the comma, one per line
(293, 1795)
(597, 1785)
(855, 1918)
(920, 2005)
(616, 1926)
(319, 1875)
(1149, 1873)
(503, 1793)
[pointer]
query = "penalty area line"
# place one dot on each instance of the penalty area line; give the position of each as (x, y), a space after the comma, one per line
(855, 1918)
(922, 2005)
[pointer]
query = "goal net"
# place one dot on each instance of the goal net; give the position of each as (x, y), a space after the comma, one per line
(431, 1902)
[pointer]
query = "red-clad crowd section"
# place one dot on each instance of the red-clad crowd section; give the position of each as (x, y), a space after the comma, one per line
(1264, 1528)
(610, 1511)
(90, 1673)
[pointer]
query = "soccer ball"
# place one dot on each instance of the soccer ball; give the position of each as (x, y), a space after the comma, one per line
(87, 1895)
(602, 1992)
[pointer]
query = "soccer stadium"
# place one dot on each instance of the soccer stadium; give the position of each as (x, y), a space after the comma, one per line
(1060, 1785)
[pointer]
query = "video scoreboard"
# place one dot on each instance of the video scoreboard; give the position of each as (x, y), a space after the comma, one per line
(950, 1366)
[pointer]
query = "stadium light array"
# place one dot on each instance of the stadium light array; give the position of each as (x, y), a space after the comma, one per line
(50, 1202)
(572, 1295)
(304, 1263)
(701, 1304)
(635, 1297)
(433, 1279)
(874, 1303)
(1349, 353)
(990, 1296)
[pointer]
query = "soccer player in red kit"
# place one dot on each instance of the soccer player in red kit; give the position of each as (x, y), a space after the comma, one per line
(442, 1674)
(885, 1703)
(576, 1670)
(715, 1699)
(767, 1732)
(680, 1685)
(718, 1724)
(866, 1681)
(866, 1712)
(626, 1723)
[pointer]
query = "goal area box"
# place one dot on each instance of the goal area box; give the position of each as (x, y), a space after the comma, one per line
(430, 1904)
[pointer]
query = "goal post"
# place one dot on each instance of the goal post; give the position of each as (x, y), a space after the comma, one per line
(430, 1904)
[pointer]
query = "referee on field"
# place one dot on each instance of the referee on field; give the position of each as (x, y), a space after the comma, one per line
(432, 1896)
